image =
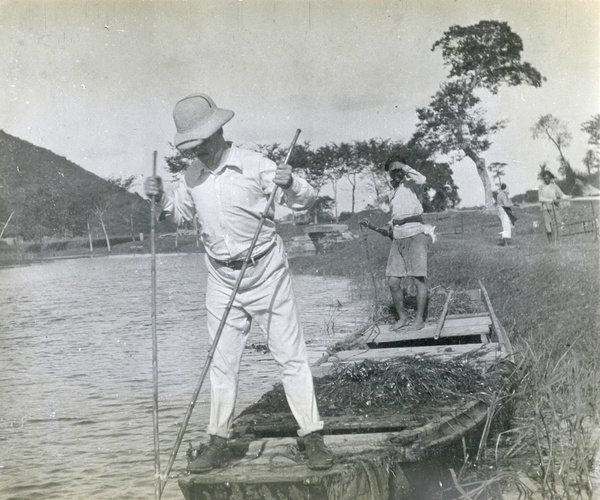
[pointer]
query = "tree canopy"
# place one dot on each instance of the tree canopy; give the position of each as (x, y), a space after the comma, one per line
(487, 55)
(483, 56)
(361, 164)
(591, 160)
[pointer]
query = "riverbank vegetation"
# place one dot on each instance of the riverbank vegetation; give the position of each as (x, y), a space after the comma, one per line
(547, 298)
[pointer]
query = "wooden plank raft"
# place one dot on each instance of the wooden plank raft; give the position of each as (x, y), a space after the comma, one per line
(370, 449)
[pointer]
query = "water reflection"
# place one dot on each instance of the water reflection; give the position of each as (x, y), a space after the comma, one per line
(76, 371)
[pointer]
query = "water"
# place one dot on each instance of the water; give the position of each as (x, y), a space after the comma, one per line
(76, 370)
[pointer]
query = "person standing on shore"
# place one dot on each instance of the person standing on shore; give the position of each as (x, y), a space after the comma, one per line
(408, 252)
(550, 195)
(226, 188)
(507, 218)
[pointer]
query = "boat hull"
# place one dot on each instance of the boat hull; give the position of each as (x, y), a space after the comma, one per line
(370, 449)
(372, 476)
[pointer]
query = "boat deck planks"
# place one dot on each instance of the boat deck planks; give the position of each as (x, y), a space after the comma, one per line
(453, 327)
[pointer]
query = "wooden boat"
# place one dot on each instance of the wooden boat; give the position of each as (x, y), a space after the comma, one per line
(370, 450)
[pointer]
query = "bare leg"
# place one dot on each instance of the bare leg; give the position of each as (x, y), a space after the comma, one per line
(398, 297)
(421, 302)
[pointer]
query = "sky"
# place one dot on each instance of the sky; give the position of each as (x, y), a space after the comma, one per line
(96, 82)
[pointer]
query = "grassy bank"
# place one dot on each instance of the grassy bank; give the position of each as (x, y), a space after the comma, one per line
(547, 298)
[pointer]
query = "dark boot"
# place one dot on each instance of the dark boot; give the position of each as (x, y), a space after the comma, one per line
(319, 456)
(502, 242)
(214, 456)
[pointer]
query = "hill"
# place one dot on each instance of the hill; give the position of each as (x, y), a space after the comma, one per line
(50, 196)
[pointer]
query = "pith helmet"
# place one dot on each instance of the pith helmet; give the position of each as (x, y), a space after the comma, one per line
(197, 118)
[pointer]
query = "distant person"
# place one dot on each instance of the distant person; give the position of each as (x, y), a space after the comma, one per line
(408, 252)
(507, 218)
(226, 188)
(550, 195)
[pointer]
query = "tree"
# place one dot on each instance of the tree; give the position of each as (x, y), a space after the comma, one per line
(373, 153)
(100, 206)
(483, 56)
(321, 209)
(306, 163)
(179, 161)
(351, 167)
(331, 158)
(39, 218)
(497, 170)
(555, 130)
(591, 159)
(272, 151)
(133, 204)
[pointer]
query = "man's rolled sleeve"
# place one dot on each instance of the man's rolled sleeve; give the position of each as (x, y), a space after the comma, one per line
(177, 202)
(299, 196)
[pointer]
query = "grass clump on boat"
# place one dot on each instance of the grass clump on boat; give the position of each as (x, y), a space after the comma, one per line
(381, 387)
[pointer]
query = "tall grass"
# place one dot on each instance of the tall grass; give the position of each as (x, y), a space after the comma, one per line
(548, 299)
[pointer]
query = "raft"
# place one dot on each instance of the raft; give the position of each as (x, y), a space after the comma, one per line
(372, 447)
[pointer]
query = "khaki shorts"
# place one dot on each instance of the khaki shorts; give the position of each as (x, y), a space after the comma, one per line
(408, 257)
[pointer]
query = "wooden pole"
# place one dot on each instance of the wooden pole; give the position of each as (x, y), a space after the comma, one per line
(554, 225)
(213, 347)
(157, 480)
(503, 339)
(6, 223)
(594, 221)
(441, 321)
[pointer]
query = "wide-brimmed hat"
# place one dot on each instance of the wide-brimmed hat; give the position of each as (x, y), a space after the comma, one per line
(197, 117)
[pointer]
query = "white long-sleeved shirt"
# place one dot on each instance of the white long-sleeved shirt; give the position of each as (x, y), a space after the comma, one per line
(406, 203)
(548, 194)
(503, 200)
(230, 200)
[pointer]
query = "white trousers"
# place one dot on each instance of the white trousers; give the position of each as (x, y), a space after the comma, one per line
(506, 225)
(266, 296)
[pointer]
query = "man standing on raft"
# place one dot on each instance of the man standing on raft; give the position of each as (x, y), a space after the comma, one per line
(408, 252)
(227, 189)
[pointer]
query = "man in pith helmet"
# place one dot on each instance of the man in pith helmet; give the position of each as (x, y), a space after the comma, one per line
(226, 188)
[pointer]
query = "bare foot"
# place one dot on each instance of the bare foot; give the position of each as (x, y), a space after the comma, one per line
(418, 324)
(398, 325)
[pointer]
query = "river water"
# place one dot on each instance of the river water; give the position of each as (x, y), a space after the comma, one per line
(76, 370)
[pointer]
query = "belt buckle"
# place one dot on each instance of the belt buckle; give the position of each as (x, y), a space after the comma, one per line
(236, 265)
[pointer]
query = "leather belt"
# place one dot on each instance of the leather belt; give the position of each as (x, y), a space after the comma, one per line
(236, 265)
(413, 218)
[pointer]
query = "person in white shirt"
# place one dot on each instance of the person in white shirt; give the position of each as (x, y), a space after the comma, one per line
(549, 195)
(226, 188)
(408, 252)
(507, 218)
